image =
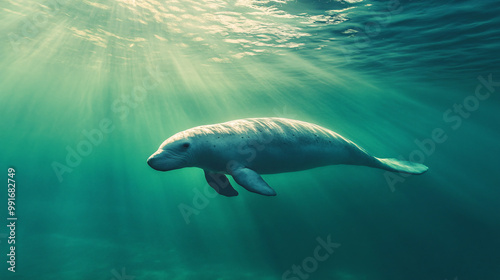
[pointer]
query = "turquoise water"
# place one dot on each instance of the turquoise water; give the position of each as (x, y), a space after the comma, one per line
(88, 90)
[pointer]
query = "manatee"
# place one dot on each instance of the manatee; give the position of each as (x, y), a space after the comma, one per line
(247, 148)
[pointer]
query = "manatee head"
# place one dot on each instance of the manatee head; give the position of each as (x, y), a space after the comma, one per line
(173, 153)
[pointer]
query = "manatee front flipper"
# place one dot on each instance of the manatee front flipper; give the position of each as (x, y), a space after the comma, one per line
(252, 181)
(220, 183)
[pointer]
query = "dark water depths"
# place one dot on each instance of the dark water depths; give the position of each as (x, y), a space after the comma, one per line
(411, 79)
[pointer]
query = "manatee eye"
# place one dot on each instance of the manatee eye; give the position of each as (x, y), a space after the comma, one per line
(185, 145)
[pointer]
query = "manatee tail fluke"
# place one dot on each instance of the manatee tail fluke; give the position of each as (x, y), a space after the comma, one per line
(396, 165)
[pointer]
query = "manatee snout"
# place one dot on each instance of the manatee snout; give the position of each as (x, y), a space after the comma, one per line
(155, 161)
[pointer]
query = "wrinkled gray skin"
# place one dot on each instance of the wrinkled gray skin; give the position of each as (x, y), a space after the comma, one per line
(249, 147)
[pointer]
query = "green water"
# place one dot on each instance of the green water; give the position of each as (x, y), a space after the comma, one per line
(132, 73)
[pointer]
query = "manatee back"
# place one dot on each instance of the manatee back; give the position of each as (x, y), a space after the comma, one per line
(274, 145)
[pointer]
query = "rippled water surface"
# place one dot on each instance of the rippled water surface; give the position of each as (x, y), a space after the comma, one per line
(89, 89)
